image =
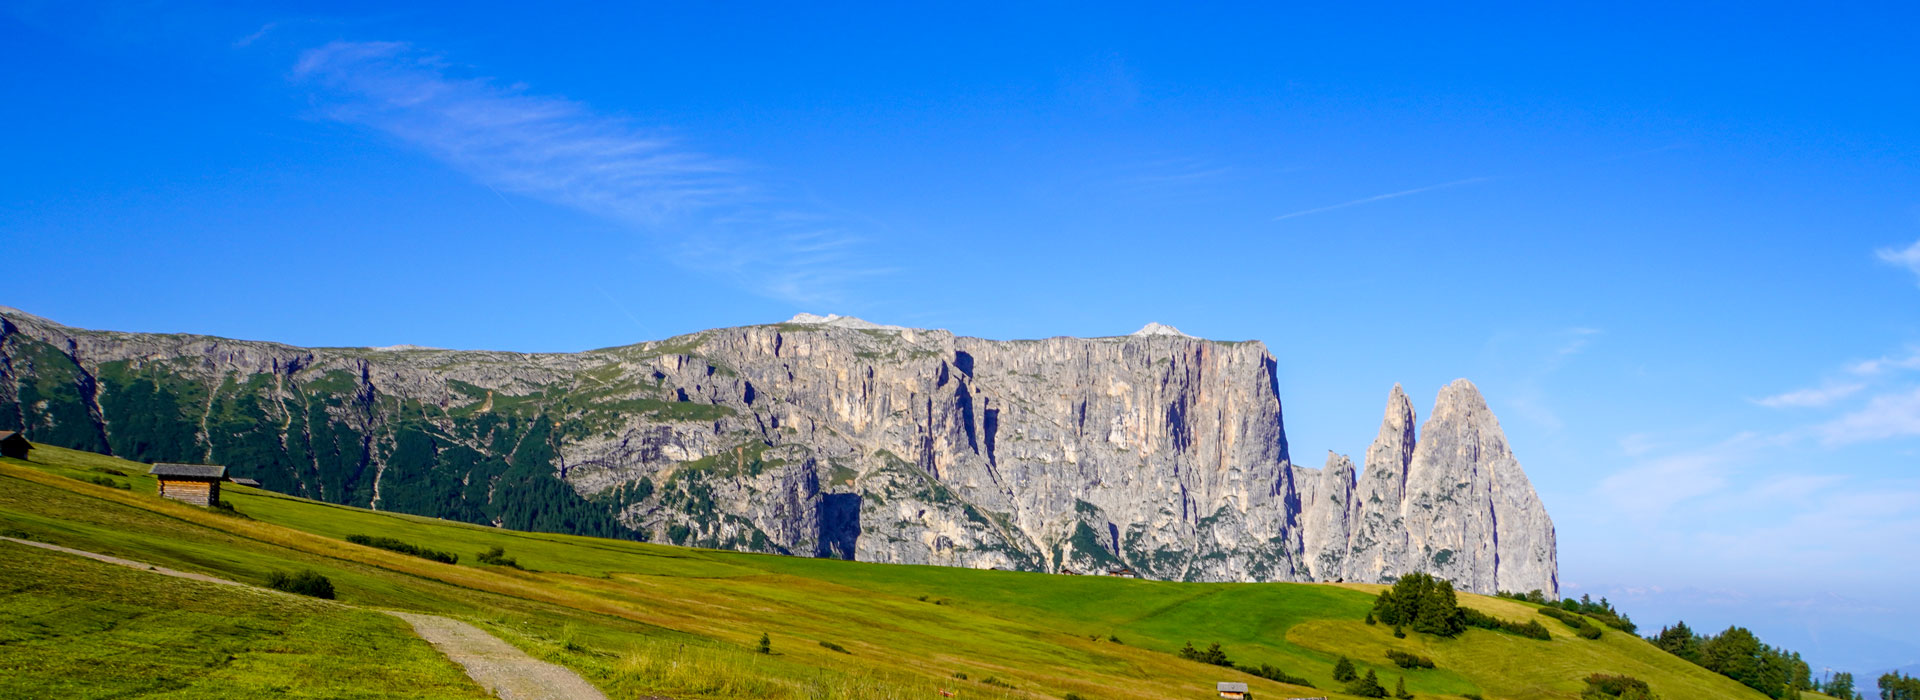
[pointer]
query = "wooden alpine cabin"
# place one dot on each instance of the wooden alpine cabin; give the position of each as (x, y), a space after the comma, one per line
(14, 445)
(198, 484)
(1233, 691)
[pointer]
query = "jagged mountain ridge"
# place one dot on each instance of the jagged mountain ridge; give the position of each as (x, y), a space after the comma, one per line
(822, 436)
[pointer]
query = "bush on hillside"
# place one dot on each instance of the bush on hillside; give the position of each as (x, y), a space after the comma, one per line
(307, 583)
(393, 545)
(1367, 686)
(1343, 670)
(1213, 654)
(1406, 660)
(1276, 675)
(1614, 687)
(497, 556)
(1423, 603)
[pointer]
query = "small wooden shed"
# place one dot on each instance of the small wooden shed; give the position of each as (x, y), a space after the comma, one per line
(198, 484)
(1233, 691)
(14, 445)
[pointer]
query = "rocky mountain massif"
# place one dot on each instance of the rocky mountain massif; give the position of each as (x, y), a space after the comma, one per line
(822, 436)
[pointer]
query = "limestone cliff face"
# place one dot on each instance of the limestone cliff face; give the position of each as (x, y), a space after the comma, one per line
(823, 436)
(1466, 511)
(1327, 509)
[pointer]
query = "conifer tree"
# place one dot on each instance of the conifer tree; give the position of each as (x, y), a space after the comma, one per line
(1343, 670)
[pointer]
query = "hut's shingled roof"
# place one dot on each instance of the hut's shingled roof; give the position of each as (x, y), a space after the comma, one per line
(190, 471)
(1232, 687)
(245, 482)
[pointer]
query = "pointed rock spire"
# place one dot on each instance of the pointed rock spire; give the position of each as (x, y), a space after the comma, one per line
(1378, 542)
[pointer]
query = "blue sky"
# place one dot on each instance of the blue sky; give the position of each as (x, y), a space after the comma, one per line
(1679, 250)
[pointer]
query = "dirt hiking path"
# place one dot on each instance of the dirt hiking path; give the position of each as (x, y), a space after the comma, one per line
(498, 666)
(502, 669)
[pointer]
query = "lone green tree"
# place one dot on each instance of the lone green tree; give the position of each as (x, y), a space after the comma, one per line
(766, 644)
(1343, 670)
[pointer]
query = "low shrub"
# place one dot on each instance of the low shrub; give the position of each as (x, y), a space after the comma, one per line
(1602, 686)
(109, 470)
(497, 556)
(1212, 655)
(104, 481)
(306, 582)
(393, 545)
(1580, 624)
(830, 646)
(1276, 675)
(1406, 660)
(1531, 629)
(995, 682)
(1367, 686)
(962, 675)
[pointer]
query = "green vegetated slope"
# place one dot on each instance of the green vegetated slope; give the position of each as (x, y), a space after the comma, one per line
(640, 619)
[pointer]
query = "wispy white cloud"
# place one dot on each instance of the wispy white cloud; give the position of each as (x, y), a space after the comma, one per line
(1382, 197)
(1652, 487)
(1887, 363)
(704, 210)
(1908, 257)
(248, 40)
(1814, 397)
(1886, 416)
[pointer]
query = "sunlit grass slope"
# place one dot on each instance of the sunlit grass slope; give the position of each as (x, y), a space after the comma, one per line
(642, 619)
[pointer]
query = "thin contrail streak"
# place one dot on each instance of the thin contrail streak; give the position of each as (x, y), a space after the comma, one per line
(1379, 197)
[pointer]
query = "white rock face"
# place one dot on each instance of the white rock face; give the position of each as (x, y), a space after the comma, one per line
(1326, 512)
(1378, 546)
(1153, 329)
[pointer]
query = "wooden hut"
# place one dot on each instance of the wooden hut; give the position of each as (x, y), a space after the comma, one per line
(14, 445)
(198, 484)
(1232, 691)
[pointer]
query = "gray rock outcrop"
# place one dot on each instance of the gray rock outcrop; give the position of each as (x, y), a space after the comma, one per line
(822, 436)
(1465, 511)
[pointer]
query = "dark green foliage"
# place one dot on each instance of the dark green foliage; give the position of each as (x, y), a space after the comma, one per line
(1277, 675)
(1406, 660)
(1580, 624)
(1115, 640)
(393, 545)
(54, 398)
(1213, 654)
(1839, 686)
(1531, 629)
(1602, 611)
(1343, 670)
(830, 646)
(1472, 696)
(1898, 686)
(995, 682)
(766, 644)
(1736, 653)
(308, 434)
(1423, 603)
(104, 481)
(1370, 620)
(1399, 633)
(1400, 689)
(1073, 696)
(1679, 640)
(497, 556)
(1608, 687)
(1367, 686)
(960, 675)
(307, 583)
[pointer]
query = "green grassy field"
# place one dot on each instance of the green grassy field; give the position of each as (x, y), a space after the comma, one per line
(642, 619)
